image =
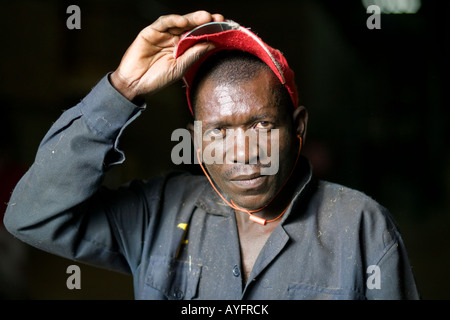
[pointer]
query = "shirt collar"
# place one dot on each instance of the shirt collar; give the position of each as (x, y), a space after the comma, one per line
(211, 202)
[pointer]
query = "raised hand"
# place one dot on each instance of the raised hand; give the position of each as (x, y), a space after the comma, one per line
(149, 63)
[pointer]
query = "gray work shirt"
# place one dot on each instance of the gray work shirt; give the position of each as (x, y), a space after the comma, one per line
(177, 237)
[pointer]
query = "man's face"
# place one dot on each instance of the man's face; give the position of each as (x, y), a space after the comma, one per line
(249, 105)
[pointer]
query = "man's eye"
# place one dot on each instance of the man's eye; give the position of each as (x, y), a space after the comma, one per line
(216, 132)
(263, 125)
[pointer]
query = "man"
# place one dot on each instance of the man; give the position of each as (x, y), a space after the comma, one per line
(238, 234)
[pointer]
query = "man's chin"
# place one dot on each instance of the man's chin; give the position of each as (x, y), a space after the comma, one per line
(251, 202)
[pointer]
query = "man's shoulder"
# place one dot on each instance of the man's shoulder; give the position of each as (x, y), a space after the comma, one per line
(340, 194)
(348, 210)
(350, 204)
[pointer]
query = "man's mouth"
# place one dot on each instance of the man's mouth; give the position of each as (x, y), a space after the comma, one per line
(250, 181)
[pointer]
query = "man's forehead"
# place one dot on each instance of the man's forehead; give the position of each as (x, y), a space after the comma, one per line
(217, 100)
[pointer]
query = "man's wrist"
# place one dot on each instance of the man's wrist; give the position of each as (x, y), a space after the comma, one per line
(124, 89)
(106, 110)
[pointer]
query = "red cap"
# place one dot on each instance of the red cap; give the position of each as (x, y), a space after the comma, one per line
(231, 36)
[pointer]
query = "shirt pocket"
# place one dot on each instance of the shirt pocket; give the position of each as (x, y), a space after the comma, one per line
(171, 279)
(300, 291)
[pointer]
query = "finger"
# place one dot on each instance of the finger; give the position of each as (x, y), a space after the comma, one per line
(218, 17)
(164, 23)
(163, 28)
(210, 17)
(198, 18)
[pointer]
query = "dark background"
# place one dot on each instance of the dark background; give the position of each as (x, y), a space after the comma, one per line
(376, 98)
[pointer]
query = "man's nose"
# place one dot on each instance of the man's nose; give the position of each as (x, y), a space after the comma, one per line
(242, 146)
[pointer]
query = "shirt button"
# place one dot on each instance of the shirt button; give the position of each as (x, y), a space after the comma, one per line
(236, 271)
(178, 294)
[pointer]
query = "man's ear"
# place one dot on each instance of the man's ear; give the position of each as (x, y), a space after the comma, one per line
(300, 117)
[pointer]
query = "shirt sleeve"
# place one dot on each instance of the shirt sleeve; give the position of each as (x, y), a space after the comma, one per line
(60, 195)
(392, 277)
(389, 275)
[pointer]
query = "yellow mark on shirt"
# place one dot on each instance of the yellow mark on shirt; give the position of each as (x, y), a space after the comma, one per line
(182, 226)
